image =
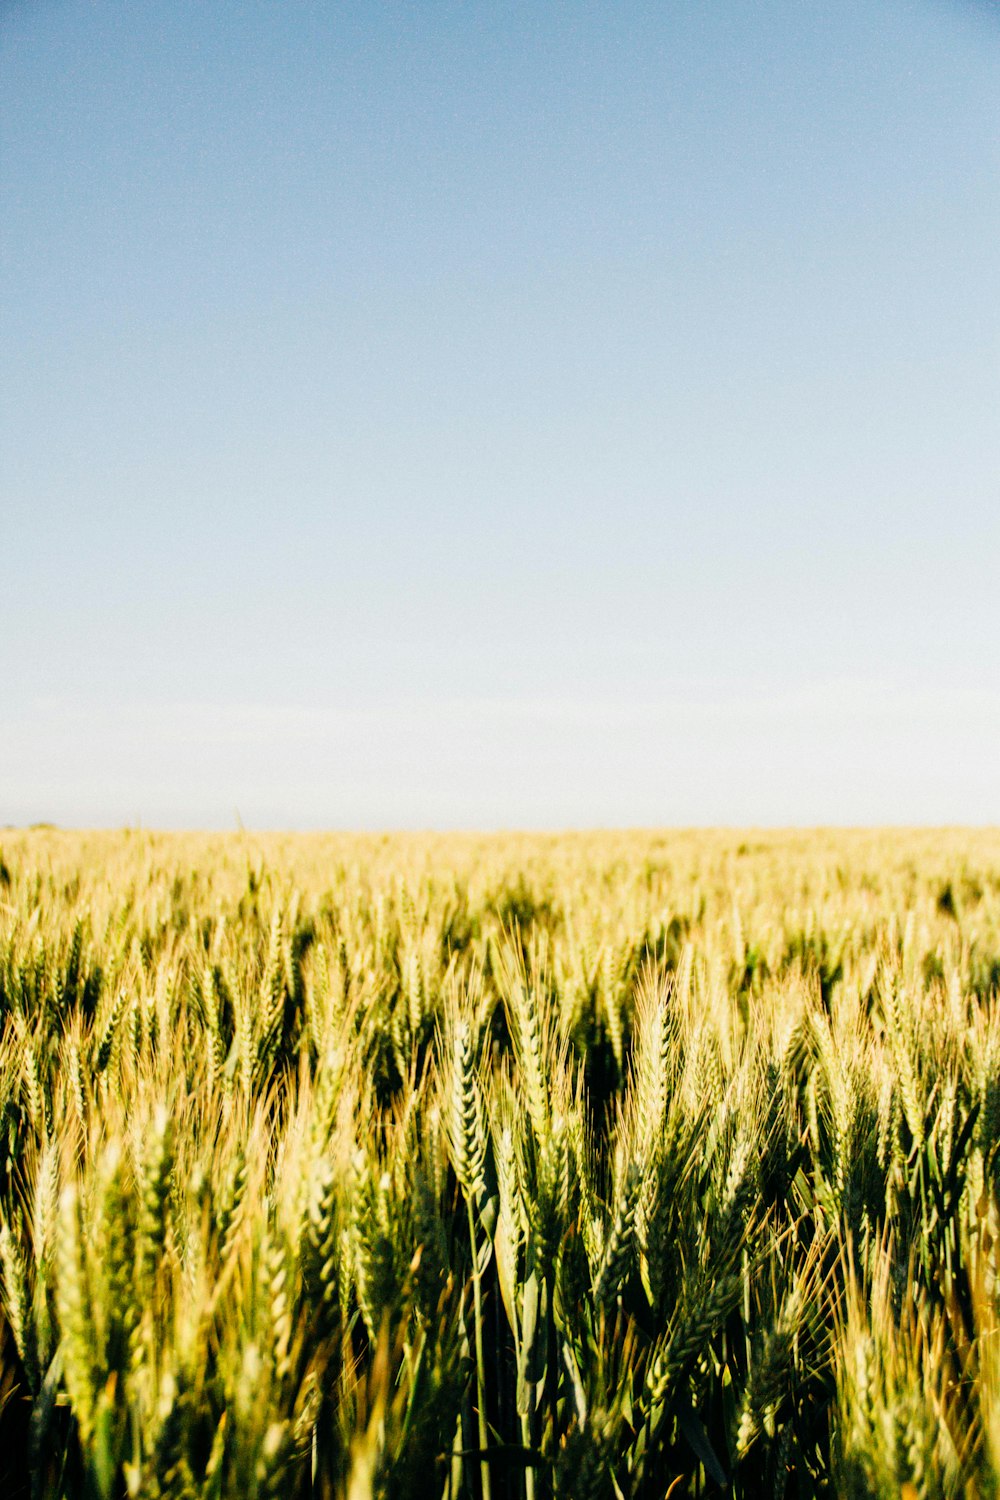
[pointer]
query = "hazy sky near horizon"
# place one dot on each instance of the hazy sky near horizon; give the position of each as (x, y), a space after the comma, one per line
(465, 414)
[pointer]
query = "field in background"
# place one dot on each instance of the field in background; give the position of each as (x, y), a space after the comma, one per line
(502, 1166)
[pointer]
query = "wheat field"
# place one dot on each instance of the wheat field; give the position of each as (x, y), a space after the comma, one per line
(499, 1166)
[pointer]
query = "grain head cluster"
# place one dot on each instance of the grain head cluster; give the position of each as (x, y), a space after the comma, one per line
(517, 1166)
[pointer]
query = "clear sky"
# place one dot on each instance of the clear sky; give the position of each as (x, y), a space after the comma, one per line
(486, 414)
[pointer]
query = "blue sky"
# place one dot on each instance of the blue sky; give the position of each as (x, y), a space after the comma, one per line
(499, 414)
